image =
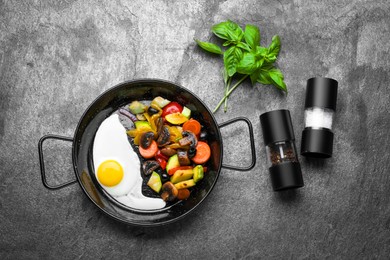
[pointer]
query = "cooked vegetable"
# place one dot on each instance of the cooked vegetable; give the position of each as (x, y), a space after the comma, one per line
(173, 162)
(176, 118)
(149, 166)
(152, 120)
(128, 114)
(175, 132)
(161, 155)
(182, 175)
(169, 191)
(146, 139)
(143, 125)
(185, 184)
(174, 146)
(193, 126)
(163, 138)
(161, 159)
(159, 125)
(198, 173)
(155, 182)
(141, 117)
(150, 152)
(160, 101)
(168, 151)
(203, 153)
(183, 157)
(188, 139)
(167, 137)
(183, 194)
(161, 162)
(137, 107)
(173, 170)
(186, 112)
(172, 107)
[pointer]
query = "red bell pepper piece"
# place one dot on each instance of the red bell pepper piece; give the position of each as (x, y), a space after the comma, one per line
(162, 162)
(161, 155)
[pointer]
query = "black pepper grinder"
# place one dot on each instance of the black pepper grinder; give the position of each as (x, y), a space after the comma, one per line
(278, 133)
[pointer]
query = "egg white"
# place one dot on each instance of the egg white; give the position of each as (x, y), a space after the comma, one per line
(111, 143)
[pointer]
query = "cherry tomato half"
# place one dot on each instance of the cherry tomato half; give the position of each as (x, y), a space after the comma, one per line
(171, 108)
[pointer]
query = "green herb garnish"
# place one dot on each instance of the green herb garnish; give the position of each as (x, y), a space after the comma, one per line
(245, 56)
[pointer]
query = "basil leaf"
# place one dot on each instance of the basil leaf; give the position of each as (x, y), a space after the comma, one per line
(277, 78)
(225, 76)
(243, 46)
(261, 52)
(270, 58)
(230, 59)
(252, 36)
(227, 43)
(254, 76)
(210, 47)
(274, 48)
(266, 66)
(248, 63)
(264, 77)
(228, 30)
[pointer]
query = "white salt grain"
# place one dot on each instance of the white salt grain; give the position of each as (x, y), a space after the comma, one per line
(316, 117)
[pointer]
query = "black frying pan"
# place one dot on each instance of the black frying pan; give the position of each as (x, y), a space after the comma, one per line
(106, 104)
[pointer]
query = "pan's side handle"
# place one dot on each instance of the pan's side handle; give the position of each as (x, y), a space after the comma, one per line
(42, 163)
(252, 144)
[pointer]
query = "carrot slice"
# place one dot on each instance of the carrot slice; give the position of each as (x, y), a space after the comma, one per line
(150, 151)
(203, 153)
(183, 194)
(193, 126)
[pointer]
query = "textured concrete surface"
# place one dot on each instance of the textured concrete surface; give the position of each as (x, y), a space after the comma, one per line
(57, 56)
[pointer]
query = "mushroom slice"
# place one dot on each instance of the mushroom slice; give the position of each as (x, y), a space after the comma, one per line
(146, 139)
(188, 139)
(169, 191)
(163, 138)
(149, 166)
(183, 157)
(159, 125)
(168, 151)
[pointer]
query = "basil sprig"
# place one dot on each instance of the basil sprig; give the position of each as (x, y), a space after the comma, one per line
(245, 56)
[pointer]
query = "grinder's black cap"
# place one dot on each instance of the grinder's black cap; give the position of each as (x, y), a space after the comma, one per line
(277, 126)
(321, 92)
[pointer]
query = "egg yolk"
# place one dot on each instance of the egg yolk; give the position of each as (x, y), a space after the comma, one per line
(110, 173)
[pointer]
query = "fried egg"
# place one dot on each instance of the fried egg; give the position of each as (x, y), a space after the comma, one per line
(117, 166)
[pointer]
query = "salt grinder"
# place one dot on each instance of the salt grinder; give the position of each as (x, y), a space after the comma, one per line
(284, 168)
(320, 106)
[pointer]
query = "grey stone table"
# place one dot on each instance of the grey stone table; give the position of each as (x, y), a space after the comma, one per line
(56, 58)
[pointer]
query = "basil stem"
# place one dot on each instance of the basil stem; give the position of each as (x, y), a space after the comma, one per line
(226, 91)
(229, 92)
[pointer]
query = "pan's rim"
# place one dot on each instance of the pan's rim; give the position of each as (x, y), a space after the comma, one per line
(113, 89)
